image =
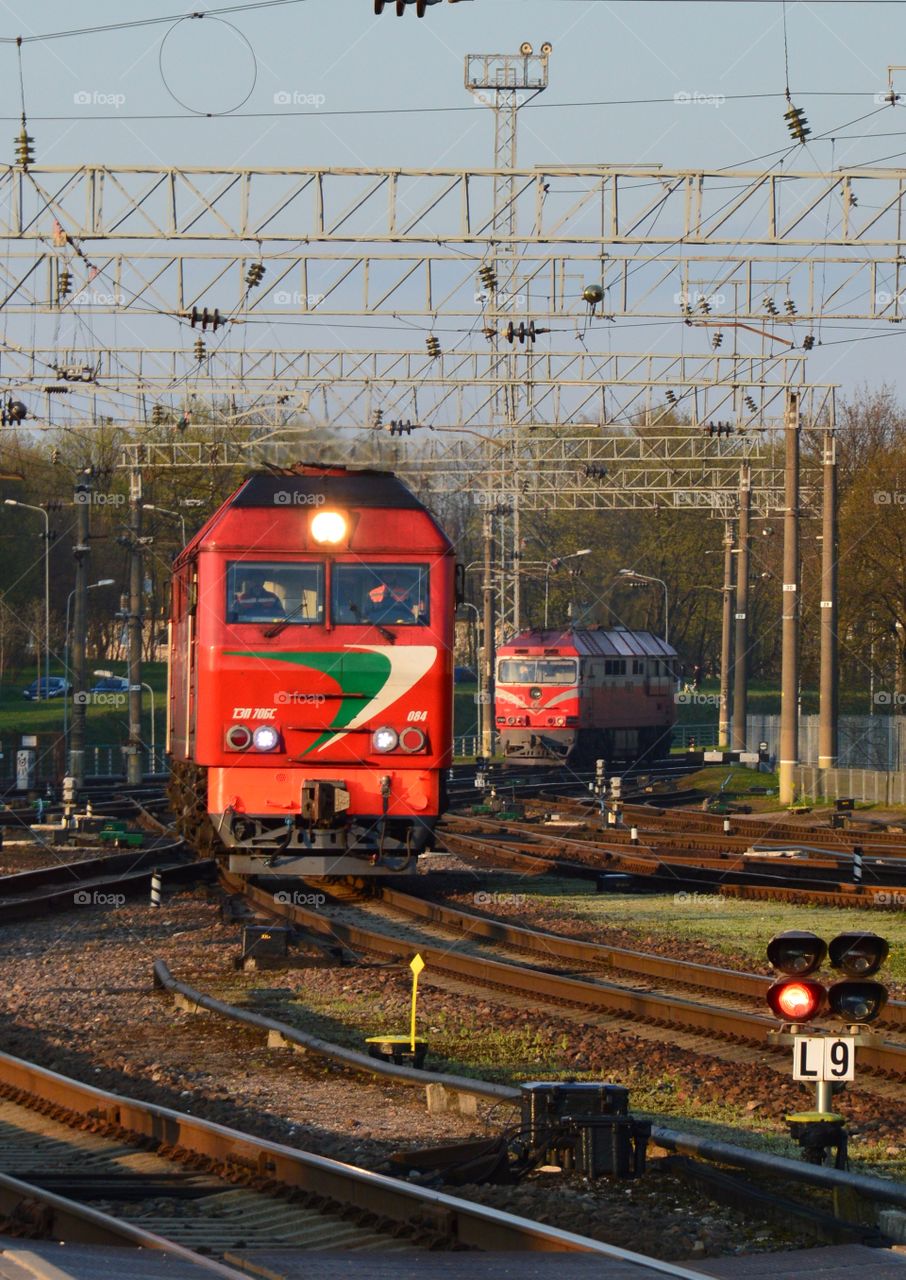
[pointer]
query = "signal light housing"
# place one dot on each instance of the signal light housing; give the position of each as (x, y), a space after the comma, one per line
(797, 952)
(796, 999)
(857, 1001)
(858, 954)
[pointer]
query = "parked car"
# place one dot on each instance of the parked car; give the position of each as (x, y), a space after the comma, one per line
(52, 687)
(111, 684)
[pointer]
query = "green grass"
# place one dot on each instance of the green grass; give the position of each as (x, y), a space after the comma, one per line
(732, 927)
(107, 725)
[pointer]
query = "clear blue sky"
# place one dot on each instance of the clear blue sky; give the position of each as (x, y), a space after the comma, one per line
(339, 51)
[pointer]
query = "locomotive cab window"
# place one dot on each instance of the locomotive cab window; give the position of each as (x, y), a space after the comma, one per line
(388, 594)
(536, 671)
(259, 591)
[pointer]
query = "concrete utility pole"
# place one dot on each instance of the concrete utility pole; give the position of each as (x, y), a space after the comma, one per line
(134, 745)
(81, 551)
(789, 682)
(487, 705)
(726, 639)
(741, 658)
(827, 718)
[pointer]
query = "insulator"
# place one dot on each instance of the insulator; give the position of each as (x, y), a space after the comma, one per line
(200, 349)
(24, 144)
(808, 342)
(790, 307)
(55, 456)
(717, 340)
(433, 345)
(255, 273)
(710, 428)
(377, 418)
(510, 332)
(705, 306)
(671, 397)
(797, 123)
(750, 404)
(64, 284)
(771, 307)
(157, 415)
(401, 428)
(206, 318)
(488, 278)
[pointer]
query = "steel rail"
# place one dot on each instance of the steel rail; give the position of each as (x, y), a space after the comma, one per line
(126, 882)
(461, 1223)
(639, 963)
(67, 1220)
(885, 1058)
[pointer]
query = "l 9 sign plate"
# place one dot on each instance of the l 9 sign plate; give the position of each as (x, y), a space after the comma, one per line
(823, 1058)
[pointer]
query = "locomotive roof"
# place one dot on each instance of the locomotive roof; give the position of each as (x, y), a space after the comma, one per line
(334, 484)
(593, 642)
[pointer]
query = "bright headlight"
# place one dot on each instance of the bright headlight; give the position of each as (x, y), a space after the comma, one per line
(384, 739)
(265, 737)
(328, 526)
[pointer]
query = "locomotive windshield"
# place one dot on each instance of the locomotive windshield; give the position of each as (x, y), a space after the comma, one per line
(536, 671)
(394, 594)
(258, 591)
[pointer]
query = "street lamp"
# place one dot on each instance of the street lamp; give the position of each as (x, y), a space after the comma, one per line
(108, 674)
(644, 577)
(177, 515)
(104, 582)
(14, 502)
(552, 566)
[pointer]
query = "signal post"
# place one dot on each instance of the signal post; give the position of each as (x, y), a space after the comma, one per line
(825, 1058)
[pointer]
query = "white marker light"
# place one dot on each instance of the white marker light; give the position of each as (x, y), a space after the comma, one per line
(384, 739)
(265, 738)
(329, 526)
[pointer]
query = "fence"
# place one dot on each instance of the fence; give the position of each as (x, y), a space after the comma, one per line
(102, 760)
(863, 742)
(874, 786)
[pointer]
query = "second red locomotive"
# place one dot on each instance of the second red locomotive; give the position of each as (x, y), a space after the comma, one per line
(584, 694)
(310, 695)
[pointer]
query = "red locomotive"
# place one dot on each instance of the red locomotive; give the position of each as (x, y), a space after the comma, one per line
(310, 692)
(583, 695)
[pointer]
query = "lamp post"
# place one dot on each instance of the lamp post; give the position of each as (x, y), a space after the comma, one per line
(644, 577)
(164, 511)
(104, 582)
(108, 675)
(552, 566)
(14, 502)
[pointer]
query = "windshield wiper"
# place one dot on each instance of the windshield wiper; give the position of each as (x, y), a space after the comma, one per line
(278, 626)
(368, 622)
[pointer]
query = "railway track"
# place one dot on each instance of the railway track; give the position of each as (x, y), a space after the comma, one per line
(83, 1165)
(95, 881)
(885, 1059)
(532, 849)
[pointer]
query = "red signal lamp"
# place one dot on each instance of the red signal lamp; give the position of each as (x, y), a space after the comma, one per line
(796, 999)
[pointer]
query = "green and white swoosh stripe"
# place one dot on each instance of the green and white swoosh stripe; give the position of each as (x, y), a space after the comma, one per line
(382, 673)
